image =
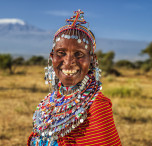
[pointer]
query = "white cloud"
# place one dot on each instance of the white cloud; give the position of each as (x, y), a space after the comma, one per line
(59, 13)
(69, 13)
(12, 21)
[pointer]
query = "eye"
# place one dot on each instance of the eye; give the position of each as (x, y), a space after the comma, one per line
(79, 54)
(60, 53)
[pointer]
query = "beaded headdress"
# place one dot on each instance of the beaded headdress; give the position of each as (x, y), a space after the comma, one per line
(74, 30)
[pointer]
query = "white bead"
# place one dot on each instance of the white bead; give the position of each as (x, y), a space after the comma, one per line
(53, 45)
(79, 96)
(46, 82)
(62, 35)
(78, 100)
(86, 46)
(58, 39)
(81, 120)
(50, 133)
(68, 37)
(76, 37)
(72, 37)
(42, 133)
(79, 41)
(65, 36)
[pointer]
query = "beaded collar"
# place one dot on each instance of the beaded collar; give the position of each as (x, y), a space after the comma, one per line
(58, 114)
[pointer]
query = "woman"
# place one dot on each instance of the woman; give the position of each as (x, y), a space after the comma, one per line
(75, 113)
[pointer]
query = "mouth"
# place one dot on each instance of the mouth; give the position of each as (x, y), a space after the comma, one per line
(69, 73)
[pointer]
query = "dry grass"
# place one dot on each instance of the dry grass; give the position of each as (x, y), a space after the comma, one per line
(130, 94)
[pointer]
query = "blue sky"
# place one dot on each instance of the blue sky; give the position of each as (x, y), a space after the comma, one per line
(116, 19)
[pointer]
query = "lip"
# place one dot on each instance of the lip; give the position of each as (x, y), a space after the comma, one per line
(70, 75)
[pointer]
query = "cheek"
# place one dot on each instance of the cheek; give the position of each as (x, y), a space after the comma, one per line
(56, 61)
(84, 63)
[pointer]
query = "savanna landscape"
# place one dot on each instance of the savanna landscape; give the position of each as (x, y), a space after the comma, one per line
(124, 54)
(130, 94)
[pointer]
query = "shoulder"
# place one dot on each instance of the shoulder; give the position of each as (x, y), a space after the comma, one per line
(101, 99)
(101, 105)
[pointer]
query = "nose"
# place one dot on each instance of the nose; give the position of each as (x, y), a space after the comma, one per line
(69, 60)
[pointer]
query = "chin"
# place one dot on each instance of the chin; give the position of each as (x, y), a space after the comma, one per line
(68, 83)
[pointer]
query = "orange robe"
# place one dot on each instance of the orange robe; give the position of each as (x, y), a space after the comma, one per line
(97, 129)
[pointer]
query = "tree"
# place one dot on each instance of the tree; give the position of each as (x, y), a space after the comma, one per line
(18, 61)
(106, 62)
(6, 62)
(36, 60)
(125, 63)
(148, 51)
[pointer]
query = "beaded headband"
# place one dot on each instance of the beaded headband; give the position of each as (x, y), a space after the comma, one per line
(73, 31)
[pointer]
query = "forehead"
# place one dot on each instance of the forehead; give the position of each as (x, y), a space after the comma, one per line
(73, 37)
(72, 44)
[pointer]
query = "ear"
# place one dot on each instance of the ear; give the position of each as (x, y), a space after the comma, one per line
(51, 55)
(94, 57)
(94, 60)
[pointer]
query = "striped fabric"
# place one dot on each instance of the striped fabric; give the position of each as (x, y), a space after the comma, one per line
(97, 129)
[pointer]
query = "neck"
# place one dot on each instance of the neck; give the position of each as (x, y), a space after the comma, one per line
(67, 90)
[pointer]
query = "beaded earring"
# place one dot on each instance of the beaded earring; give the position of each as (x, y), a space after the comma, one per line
(50, 77)
(96, 69)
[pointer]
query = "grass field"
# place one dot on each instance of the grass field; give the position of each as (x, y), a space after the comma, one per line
(130, 94)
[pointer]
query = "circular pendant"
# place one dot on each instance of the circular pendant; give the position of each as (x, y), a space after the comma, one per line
(72, 37)
(81, 120)
(42, 133)
(76, 37)
(79, 41)
(86, 46)
(50, 133)
(62, 35)
(68, 37)
(65, 36)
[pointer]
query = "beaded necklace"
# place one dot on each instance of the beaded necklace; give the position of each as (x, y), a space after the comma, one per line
(58, 114)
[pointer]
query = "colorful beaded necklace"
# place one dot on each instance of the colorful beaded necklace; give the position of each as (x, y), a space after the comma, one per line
(58, 113)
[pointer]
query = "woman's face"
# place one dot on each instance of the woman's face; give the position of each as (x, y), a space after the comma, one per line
(71, 61)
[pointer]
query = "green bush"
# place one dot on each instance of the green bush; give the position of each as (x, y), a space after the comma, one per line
(146, 67)
(148, 51)
(6, 62)
(18, 61)
(106, 62)
(138, 64)
(124, 63)
(36, 60)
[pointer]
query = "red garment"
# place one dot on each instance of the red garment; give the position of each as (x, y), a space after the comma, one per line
(97, 129)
